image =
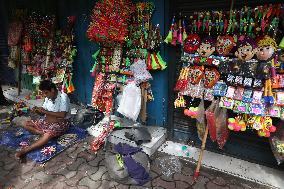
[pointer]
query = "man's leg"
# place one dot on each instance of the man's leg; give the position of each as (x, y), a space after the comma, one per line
(39, 143)
(31, 128)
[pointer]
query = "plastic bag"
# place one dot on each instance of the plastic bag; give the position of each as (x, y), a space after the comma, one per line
(130, 103)
(200, 120)
(217, 123)
(169, 165)
(211, 119)
(14, 33)
(140, 72)
(222, 131)
(277, 143)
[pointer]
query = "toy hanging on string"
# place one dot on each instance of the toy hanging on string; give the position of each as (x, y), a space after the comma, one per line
(154, 59)
(109, 21)
(266, 48)
(180, 102)
(94, 68)
(170, 38)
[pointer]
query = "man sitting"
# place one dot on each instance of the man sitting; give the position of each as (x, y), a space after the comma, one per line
(56, 111)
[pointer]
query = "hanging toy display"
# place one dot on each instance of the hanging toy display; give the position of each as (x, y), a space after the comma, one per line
(154, 59)
(129, 46)
(232, 56)
(109, 22)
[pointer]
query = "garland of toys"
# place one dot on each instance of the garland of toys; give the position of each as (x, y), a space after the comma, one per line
(118, 59)
(46, 51)
(129, 49)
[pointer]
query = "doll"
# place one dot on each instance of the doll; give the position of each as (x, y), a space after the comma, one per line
(245, 66)
(205, 51)
(266, 48)
(207, 47)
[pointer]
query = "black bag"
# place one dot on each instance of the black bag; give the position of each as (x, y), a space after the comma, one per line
(88, 117)
(263, 70)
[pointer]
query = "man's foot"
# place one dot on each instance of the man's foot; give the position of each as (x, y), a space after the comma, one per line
(20, 156)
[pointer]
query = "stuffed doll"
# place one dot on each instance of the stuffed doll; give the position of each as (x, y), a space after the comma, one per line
(207, 47)
(266, 48)
(244, 67)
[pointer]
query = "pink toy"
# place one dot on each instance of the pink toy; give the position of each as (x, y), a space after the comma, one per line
(191, 112)
(235, 125)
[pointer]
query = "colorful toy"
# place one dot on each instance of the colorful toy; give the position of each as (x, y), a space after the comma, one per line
(207, 47)
(236, 124)
(266, 48)
(191, 112)
(225, 44)
(192, 43)
(180, 102)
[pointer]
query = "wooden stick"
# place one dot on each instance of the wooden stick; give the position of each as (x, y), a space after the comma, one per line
(196, 173)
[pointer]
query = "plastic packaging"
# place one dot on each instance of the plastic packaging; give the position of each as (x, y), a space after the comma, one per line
(130, 103)
(277, 143)
(211, 122)
(200, 120)
(217, 123)
(222, 131)
(169, 165)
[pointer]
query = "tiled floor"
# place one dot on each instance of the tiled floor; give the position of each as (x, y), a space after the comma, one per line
(78, 167)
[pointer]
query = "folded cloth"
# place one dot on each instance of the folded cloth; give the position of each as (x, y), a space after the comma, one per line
(135, 170)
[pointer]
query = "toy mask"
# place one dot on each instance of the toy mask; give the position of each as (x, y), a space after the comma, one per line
(206, 48)
(225, 44)
(191, 43)
(266, 48)
(246, 49)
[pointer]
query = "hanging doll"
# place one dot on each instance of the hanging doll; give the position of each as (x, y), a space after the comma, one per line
(205, 51)
(266, 48)
(207, 47)
(243, 68)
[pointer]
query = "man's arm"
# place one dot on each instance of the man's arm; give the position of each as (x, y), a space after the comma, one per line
(55, 114)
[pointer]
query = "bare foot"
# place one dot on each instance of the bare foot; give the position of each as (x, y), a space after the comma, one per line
(20, 156)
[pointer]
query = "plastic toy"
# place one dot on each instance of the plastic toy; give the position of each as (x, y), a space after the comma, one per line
(191, 112)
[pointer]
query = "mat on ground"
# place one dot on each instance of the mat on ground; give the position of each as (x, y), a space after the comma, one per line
(19, 138)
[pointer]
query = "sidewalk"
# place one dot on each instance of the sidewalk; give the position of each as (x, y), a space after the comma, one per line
(78, 167)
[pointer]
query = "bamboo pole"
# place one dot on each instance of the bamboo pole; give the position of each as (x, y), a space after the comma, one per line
(196, 173)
